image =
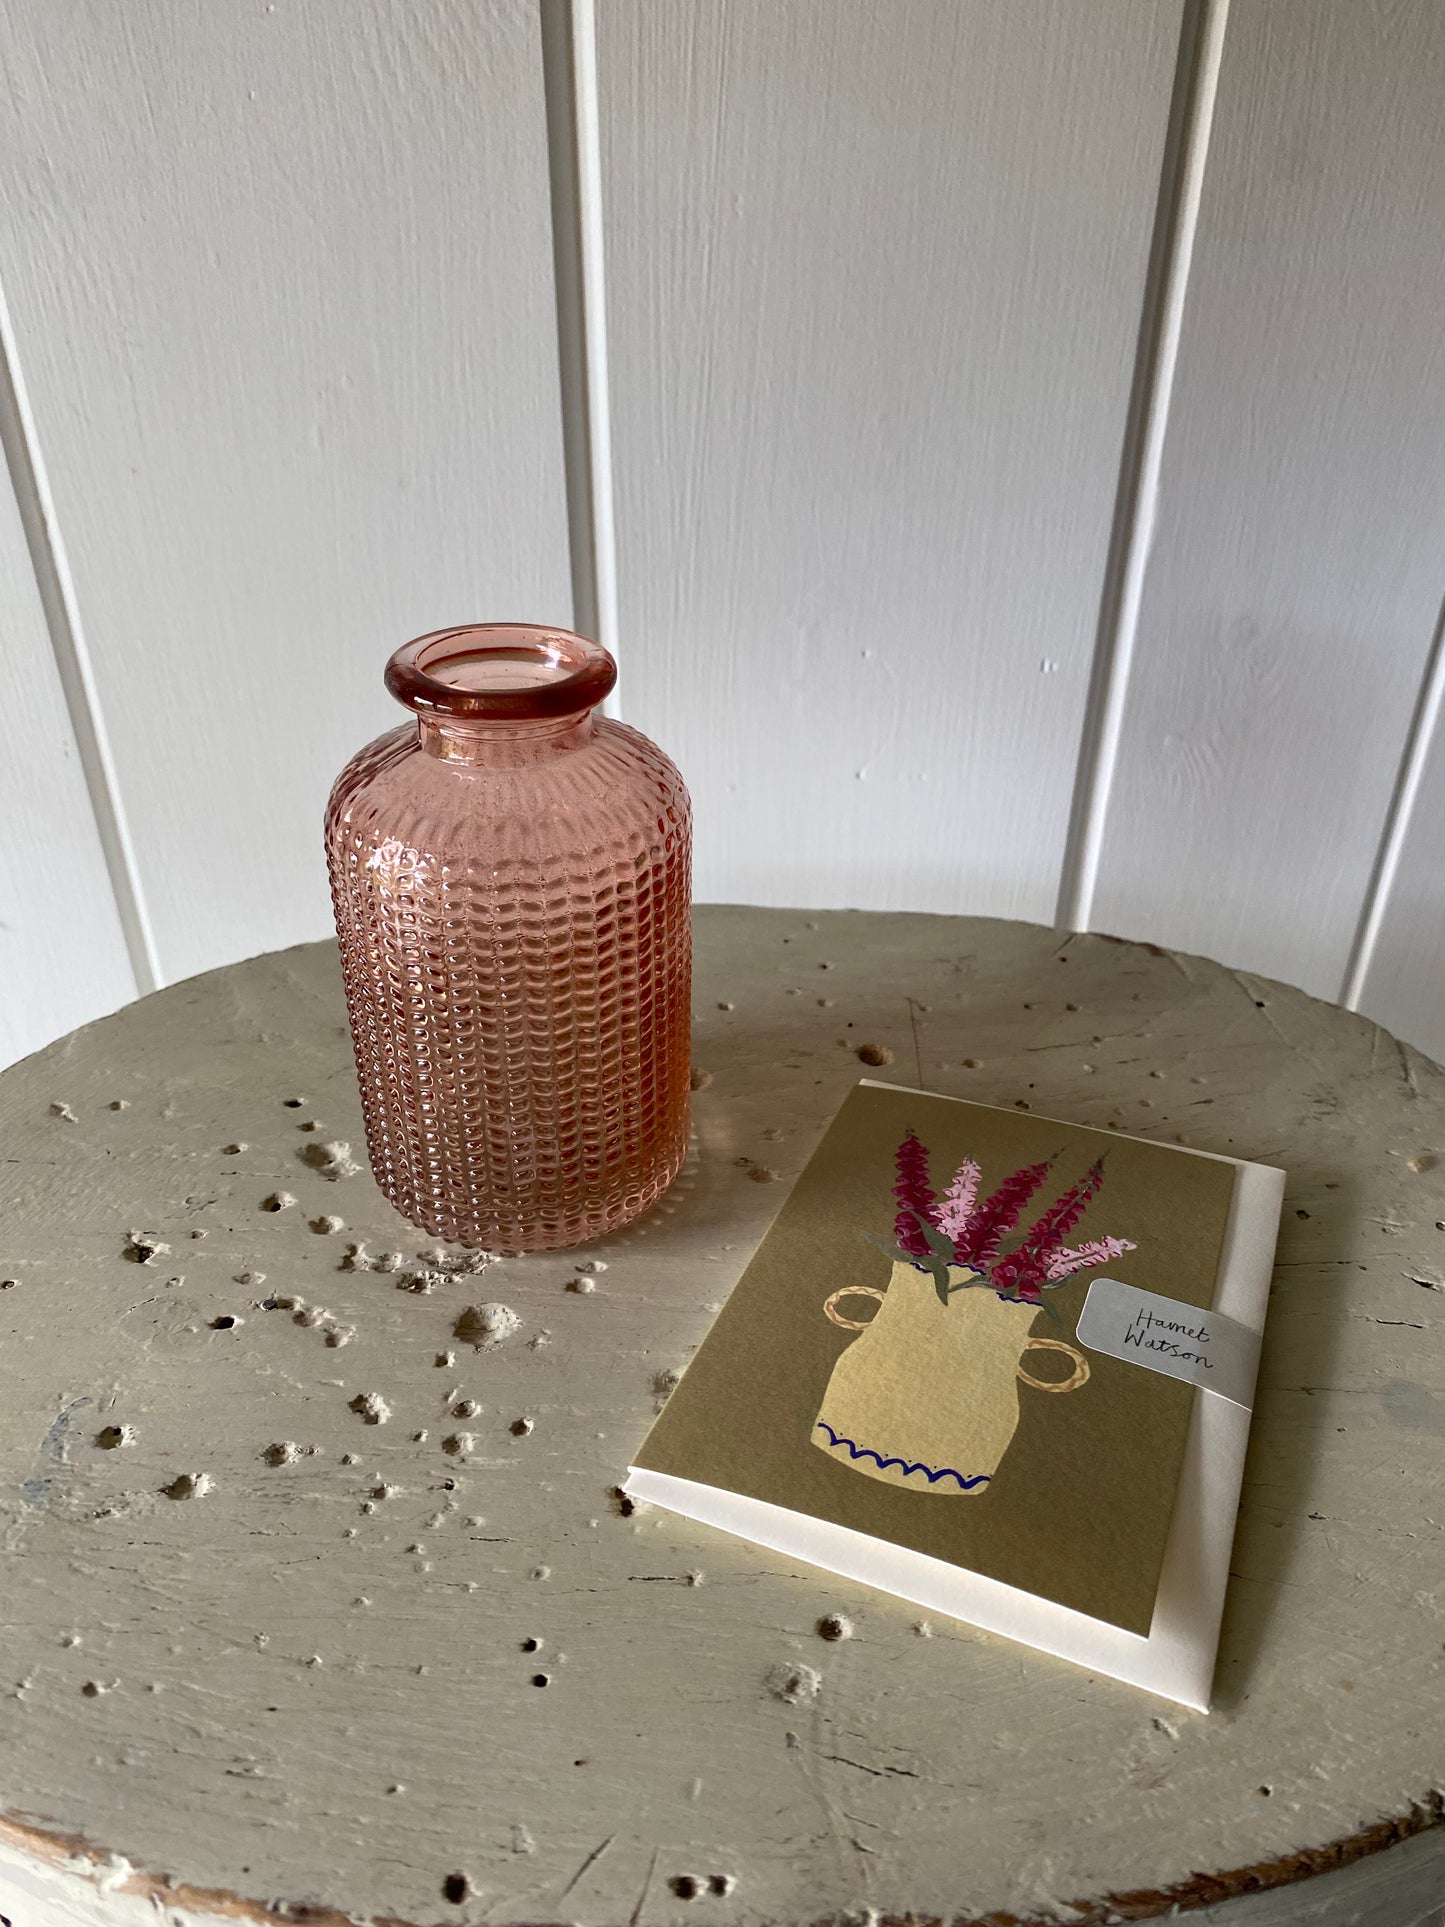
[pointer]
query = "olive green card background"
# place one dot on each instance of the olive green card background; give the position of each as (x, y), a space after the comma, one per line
(1079, 1510)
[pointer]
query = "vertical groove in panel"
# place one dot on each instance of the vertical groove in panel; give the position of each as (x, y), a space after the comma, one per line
(1181, 181)
(569, 65)
(1398, 817)
(72, 660)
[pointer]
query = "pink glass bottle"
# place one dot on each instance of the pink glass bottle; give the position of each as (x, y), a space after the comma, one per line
(511, 877)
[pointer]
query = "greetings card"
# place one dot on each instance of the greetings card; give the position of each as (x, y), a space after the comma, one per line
(998, 1365)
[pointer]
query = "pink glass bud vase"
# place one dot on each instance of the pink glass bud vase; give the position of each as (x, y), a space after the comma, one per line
(511, 876)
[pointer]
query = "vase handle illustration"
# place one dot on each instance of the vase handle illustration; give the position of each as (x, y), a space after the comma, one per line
(855, 1291)
(1072, 1384)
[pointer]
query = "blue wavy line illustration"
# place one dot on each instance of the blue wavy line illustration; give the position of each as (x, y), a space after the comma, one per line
(966, 1484)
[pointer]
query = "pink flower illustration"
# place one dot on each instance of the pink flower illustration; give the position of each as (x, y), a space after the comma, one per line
(1065, 1262)
(959, 1199)
(955, 1230)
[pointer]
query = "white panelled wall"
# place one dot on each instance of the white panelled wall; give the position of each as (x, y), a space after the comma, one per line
(280, 282)
(1004, 441)
(874, 280)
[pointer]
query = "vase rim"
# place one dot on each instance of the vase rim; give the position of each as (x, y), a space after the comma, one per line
(501, 671)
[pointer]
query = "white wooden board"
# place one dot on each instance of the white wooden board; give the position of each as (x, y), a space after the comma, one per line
(281, 278)
(874, 280)
(282, 286)
(1297, 569)
(62, 953)
(1404, 953)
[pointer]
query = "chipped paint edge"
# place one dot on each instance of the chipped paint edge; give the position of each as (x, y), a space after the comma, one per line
(70, 1855)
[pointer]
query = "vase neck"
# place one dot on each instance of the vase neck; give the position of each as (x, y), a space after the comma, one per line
(496, 694)
(499, 745)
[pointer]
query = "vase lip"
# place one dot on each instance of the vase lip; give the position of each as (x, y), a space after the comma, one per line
(501, 671)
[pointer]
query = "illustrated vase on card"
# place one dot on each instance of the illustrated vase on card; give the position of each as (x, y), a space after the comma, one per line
(927, 1396)
(511, 879)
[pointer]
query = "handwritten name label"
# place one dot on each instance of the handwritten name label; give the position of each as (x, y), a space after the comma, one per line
(1201, 1347)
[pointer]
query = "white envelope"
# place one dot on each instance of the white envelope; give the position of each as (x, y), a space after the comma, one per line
(1176, 1660)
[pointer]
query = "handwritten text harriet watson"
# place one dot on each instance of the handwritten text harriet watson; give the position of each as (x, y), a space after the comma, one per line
(1149, 1333)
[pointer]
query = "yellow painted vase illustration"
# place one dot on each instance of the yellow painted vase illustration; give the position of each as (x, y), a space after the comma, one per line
(926, 1396)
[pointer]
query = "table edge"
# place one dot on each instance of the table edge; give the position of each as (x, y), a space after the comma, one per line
(60, 1851)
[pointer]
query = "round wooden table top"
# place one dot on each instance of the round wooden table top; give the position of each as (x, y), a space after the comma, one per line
(315, 1609)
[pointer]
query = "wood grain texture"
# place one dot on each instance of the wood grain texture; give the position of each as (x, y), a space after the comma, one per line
(281, 282)
(1296, 575)
(62, 952)
(874, 280)
(312, 1680)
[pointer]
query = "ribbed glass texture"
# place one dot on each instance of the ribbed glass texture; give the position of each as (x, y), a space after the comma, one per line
(511, 879)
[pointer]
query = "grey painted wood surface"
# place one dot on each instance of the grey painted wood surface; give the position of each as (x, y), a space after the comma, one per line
(385, 1613)
(1402, 1887)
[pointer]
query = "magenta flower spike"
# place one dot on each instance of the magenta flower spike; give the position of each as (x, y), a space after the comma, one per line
(979, 1242)
(914, 1192)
